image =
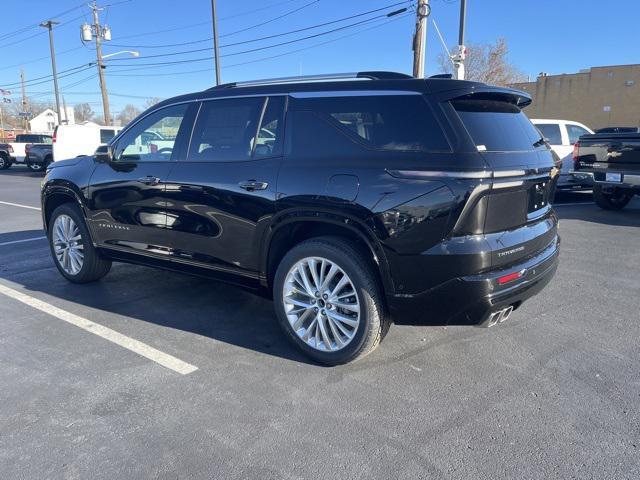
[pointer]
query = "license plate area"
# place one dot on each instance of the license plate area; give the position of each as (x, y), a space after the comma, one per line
(613, 177)
(538, 196)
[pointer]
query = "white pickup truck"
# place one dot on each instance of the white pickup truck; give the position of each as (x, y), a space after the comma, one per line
(16, 150)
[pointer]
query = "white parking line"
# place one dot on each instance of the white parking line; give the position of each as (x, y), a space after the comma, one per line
(21, 241)
(131, 344)
(19, 205)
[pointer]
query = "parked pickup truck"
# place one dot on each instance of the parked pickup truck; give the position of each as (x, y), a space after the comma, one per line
(38, 156)
(612, 160)
(16, 150)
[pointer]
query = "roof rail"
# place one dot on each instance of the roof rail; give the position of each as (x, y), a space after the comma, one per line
(317, 78)
(442, 75)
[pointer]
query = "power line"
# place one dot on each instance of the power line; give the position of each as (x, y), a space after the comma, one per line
(39, 33)
(36, 25)
(208, 22)
(288, 42)
(291, 52)
(208, 39)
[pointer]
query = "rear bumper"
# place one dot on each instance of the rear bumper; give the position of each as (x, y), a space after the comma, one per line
(471, 300)
(574, 180)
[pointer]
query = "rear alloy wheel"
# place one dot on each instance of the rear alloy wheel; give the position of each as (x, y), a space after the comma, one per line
(613, 199)
(328, 301)
(35, 167)
(74, 255)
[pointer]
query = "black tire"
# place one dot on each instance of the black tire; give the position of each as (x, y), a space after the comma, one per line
(35, 167)
(615, 199)
(374, 321)
(4, 162)
(94, 267)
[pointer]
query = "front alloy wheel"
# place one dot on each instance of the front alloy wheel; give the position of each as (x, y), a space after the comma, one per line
(321, 304)
(68, 245)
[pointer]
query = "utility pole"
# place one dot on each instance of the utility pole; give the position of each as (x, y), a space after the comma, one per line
(459, 57)
(420, 38)
(216, 53)
(99, 33)
(49, 25)
(25, 105)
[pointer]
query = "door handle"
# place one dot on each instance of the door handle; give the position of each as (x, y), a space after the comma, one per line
(149, 180)
(251, 185)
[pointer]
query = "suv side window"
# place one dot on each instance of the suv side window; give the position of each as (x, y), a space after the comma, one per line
(163, 125)
(551, 132)
(574, 132)
(237, 129)
(399, 122)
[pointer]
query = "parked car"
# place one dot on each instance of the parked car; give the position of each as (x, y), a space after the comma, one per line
(16, 150)
(562, 135)
(618, 130)
(352, 202)
(6, 152)
(70, 141)
(612, 160)
(38, 156)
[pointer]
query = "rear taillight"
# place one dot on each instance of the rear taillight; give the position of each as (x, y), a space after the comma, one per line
(10, 149)
(511, 277)
(55, 134)
(576, 154)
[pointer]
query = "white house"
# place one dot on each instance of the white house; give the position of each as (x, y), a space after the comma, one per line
(47, 120)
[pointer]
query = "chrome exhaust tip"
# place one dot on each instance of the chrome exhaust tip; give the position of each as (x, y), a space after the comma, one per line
(495, 318)
(506, 313)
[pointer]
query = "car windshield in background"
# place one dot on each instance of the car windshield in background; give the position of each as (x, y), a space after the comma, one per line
(551, 132)
(497, 126)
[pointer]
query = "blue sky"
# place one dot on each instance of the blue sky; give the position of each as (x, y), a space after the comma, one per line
(555, 36)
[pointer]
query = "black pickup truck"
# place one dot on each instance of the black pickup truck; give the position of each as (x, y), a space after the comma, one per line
(613, 161)
(38, 156)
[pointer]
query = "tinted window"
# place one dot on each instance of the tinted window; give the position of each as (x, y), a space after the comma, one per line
(226, 130)
(496, 126)
(550, 131)
(574, 132)
(382, 122)
(106, 135)
(163, 125)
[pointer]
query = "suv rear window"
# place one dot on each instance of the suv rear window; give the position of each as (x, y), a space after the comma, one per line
(496, 126)
(383, 122)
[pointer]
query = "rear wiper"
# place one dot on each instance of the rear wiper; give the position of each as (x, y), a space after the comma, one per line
(539, 143)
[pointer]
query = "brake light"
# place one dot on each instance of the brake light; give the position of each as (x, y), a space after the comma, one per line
(576, 151)
(10, 149)
(55, 134)
(511, 277)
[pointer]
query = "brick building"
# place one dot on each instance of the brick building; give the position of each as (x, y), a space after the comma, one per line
(598, 96)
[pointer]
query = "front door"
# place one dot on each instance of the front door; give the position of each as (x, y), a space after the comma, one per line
(127, 195)
(222, 197)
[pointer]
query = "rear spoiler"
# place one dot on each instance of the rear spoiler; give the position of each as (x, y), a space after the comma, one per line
(481, 91)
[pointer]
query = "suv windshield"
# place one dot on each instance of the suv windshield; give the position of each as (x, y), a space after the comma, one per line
(497, 126)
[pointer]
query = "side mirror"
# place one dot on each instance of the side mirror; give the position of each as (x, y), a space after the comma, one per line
(104, 154)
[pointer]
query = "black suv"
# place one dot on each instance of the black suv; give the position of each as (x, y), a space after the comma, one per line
(354, 201)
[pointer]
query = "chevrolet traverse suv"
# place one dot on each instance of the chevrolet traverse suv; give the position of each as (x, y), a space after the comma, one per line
(353, 200)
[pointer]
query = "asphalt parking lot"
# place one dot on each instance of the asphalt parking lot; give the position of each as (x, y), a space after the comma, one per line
(553, 393)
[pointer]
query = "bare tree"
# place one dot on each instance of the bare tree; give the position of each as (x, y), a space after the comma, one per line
(151, 102)
(83, 112)
(128, 113)
(487, 63)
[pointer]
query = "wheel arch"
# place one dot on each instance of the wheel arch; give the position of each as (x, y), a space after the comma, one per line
(293, 229)
(53, 197)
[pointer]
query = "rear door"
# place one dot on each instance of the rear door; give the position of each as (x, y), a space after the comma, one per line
(127, 208)
(222, 197)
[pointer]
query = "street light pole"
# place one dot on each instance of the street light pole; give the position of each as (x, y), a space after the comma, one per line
(216, 53)
(49, 25)
(460, 56)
